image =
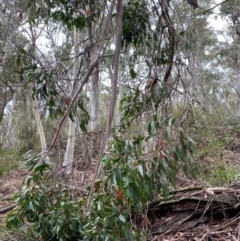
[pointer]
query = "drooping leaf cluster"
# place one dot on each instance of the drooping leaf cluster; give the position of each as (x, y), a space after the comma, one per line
(135, 23)
(72, 13)
(129, 180)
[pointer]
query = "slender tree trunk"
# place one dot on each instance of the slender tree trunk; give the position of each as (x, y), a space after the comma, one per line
(78, 89)
(236, 65)
(35, 104)
(94, 94)
(120, 94)
(94, 99)
(238, 90)
(144, 131)
(114, 90)
(69, 155)
(10, 137)
(39, 125)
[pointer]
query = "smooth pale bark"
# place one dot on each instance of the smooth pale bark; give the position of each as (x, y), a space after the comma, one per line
(236, 66)
(34, 101)
(94, 124)
(119, 98)
(116, 66)
(238, 89)
(113, 93)
(120, 94)
(3, 19)
(69, 154)
(94, 93)
(235, 23)
(10, 137)
(3, 101)
(63, 154)
(94, 100)
(39, 125)
(4, 40)
(145, 132)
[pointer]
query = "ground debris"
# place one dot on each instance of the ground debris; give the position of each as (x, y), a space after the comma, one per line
(195, 214)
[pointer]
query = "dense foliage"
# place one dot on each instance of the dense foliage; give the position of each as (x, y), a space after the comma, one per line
(128, 182)
(73, 60)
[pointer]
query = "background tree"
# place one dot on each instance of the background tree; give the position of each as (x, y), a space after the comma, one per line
(160, 60)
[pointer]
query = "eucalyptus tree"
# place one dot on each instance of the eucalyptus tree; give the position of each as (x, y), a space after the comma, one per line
(230, 11)
(9, 37)
(152, 34)
(154, 63)
(93, 34)
(69, 155)
(4, 25)
(146, 33)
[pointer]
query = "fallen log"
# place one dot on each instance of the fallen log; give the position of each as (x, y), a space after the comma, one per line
(187, 208)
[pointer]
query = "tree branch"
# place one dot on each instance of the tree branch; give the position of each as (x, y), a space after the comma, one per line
(113, 95)
(78, 90)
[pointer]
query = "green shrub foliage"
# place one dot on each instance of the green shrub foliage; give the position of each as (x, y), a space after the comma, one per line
(129, 180)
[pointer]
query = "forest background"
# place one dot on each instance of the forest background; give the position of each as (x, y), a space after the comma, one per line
(124, 97)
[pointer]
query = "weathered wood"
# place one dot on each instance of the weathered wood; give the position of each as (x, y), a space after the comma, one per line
(6, 209)
(187, 208)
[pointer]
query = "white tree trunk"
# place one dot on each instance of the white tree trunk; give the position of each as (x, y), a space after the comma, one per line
(238, 80)
(238, 91)
(113, 93)
(120, 94)
(10, 137)
(39, 125)
(33, 35)
(94, 94)
(94, 99)
(3, 19)
(94, 124)
(69, 154)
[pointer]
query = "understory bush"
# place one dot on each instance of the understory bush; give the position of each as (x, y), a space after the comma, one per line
(223, 174)
(130, 178)
(8, 161)
(127, 183)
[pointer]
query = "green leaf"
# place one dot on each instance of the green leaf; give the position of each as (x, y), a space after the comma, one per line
(22, 51)
(71, 116)
(114, 179)
(122, 218)
(31, 206)
(181, 33)
(80, 22)
(99, 205)
(149, 128)
(133, 74)
(140, 169)
(165, 190)
(40, 217)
